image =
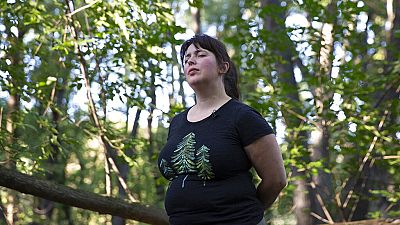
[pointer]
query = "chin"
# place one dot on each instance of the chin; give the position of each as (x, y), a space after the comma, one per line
(195, 85)
(193, 80)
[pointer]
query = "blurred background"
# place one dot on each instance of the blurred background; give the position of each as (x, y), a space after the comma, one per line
(88, 88)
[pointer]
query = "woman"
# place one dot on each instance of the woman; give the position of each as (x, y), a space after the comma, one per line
(212, 146)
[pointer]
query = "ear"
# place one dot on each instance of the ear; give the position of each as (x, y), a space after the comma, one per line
(223, 68)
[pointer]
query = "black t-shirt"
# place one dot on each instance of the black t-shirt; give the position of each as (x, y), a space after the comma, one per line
(209, 169)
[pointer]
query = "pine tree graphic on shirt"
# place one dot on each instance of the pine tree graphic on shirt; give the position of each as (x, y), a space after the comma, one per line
(203, 163)
(166, 169)
(183, 159)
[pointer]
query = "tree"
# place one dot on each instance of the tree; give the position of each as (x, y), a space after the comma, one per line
(300, 81)
(323, 73)
(203, 163)
(64, 48)
(78, 198)
(183, 159)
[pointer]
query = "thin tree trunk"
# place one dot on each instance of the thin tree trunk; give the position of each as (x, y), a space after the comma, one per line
(16, 82)
(180, 80)
(323, 193)
(123, 167)
(46, 207)
(285, 73)
(323, 189)
(196, 24)
(110, 151)
(372, 177)
(11, 199)
(156, 175)
(13, 107)
(301, 200)
(68, 215)
(152, 94)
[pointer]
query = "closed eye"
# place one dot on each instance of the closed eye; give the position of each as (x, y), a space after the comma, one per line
(197, 53)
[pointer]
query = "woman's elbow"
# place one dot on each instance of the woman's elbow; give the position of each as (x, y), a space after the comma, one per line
(282, 183)
(275, 185)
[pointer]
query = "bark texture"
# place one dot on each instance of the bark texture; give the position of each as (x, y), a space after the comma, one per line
(81, 199)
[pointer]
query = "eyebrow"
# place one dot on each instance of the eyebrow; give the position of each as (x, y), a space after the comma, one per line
(195, 52)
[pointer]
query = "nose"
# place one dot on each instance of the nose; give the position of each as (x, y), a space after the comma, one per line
(191, 61)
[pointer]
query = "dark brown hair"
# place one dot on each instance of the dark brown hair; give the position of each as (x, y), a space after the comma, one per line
(219, 50)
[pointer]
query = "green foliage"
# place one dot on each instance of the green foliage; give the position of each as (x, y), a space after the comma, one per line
(122, 48)
(356, 77)
(47, 52)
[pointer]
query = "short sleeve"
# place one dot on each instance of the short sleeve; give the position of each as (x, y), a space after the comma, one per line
(251, 125)
(175, 121)
(170, 128)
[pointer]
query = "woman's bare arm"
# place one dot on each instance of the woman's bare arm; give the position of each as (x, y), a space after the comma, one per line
(265, 155)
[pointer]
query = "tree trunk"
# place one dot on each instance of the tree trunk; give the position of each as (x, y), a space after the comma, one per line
(110, 151)
(81, 199)
(323, 191)
(152, 94)
(301, 200)
(196, 24)
(13, 106)
(181, 78)
(57, 173)
(285, 73)
(372, 177)
(156, 175)
(380, 179)
(12, 198)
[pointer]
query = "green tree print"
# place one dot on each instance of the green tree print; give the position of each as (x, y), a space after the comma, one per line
(183, 159)
(203, 163)
(167, 170)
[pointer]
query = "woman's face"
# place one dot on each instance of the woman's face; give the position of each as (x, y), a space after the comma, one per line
(200, 66)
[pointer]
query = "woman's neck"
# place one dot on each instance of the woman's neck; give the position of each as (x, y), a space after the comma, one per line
(212, 101)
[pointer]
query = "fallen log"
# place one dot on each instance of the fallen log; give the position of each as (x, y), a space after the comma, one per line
(82, 199)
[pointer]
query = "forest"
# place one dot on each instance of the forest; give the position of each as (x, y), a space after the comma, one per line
(88, 89)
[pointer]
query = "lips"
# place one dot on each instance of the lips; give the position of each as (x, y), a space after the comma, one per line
(192, 70)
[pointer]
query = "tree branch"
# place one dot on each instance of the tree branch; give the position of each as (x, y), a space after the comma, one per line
(368, 154)
(82, 8)
(321, 202)
(81, 199)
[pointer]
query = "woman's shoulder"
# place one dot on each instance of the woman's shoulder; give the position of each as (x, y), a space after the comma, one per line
(179, 116)
(241, 107)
